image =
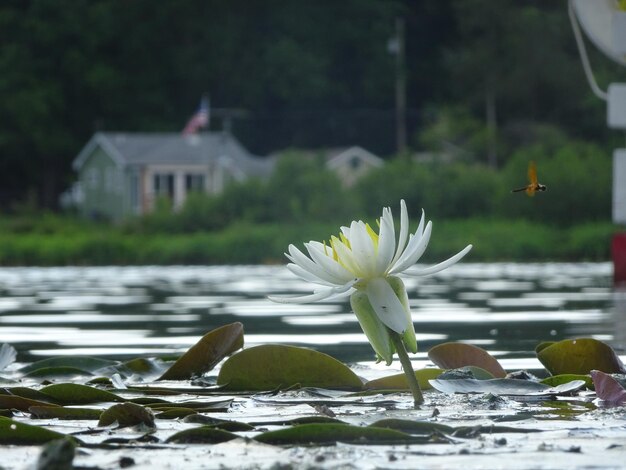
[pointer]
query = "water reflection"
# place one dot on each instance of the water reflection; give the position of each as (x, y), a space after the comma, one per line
(122, 312)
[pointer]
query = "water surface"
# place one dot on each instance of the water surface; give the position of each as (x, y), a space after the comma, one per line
(124, 312)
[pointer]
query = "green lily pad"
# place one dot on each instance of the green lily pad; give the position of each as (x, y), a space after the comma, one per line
(57, 455)
(206, 353)
(504, 387)
(398, 381)
(26, 392)
(60, 412)
(305, 434)
(202, 435)
(175, 413)
(140, 366)
(77, 394)
(127, 414)
(271, 366)
(413, 427)
(85, 363)
(457, 355)
(20, 403)
(16, 433)
(580, 356)
(555, 380)
(58, 371)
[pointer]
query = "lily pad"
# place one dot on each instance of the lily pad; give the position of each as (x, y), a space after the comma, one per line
(202, 435)
(85, 363)
(57, 455)
(504, 387)
(20, 403)
(580, 356)
(127, 414)
(77, 394)
(555, 380)
(305, 434)
(16, 433)
(58, 371)
(457, 355)
(398, 381)
(271, 366)
(413, 427)
(60, 412)
(607, 388)
(206, 353)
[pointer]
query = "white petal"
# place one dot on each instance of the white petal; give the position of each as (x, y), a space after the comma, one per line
(327, 263)
(420, 227)
(363, 249)
(321, 294)
(386, 242)
(386, 304)
(415, 249)
(346, 257)
(441, 266)
(404, 231)
(307, 276)
(309, 265)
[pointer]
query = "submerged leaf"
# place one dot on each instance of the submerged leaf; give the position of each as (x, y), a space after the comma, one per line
(77, 394)
(457, 355)
(580, 356)
(206, 353)
(127, 414)
(331, 433)
(271, 366)
(16, 433)
(607, 388)
(202, 435)
(398, 381)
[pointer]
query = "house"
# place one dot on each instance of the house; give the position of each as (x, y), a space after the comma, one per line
(351, 163)
(123, 173)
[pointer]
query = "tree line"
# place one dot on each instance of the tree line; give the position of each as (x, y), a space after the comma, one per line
(287, 74)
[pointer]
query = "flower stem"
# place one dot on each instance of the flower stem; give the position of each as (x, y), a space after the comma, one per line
(414, 385)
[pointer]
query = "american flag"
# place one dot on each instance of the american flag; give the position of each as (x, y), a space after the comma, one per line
(199, 119)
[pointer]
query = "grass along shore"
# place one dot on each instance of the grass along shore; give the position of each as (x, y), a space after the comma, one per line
(81, 243)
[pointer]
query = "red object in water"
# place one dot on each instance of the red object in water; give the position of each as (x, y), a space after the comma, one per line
(618, 248)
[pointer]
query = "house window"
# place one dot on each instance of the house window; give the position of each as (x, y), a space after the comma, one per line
(163, 184)
(355, 162)
(194, 182)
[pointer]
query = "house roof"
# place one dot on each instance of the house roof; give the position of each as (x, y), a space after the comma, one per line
(137, 148)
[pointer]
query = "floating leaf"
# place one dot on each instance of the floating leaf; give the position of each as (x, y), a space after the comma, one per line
(127, 414)
(398, 381)
(86, 363)
(202, 435)
(504, 387)
(413, 427)
(58, 371)
(59, 412)
(16, 433)
(20, 403)
(77, 394)
(304, 434)
(140, 366)
(457, 355)
(467, 372)
(7, 355)
(580, 356)
(555, 380)
(607, 388)
(271, 366)
(206, 353)
(175, 413)
(26, 392)
(57, 455)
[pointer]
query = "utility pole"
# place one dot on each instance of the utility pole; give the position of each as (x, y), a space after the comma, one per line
(396, 46)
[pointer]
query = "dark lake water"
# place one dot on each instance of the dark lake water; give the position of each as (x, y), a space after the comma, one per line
(126, 312)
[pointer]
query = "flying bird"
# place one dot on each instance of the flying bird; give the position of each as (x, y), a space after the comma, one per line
(533, 184)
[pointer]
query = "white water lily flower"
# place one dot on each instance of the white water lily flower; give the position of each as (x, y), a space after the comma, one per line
(363, 264)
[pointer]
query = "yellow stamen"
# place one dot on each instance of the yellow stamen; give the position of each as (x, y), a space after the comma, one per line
(373, 235)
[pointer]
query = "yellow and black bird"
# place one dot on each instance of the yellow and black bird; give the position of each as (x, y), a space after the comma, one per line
(533, 185)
